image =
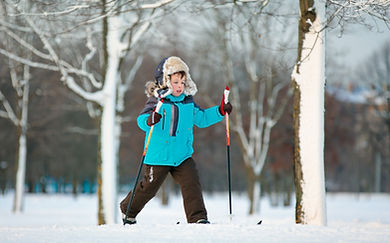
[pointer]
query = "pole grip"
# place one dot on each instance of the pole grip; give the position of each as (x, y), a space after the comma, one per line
(226, 94)
(159, 104)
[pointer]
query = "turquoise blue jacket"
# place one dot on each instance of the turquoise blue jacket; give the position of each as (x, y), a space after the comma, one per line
(172, 137)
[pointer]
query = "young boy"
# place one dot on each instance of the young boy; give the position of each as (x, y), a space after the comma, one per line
(170, 147)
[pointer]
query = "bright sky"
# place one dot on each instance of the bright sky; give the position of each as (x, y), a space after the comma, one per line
(358, 42)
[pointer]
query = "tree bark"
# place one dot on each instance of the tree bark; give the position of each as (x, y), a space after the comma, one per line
(22, 142)
(378, 172)
(253, 190)
(20, 172)
(308, 82)
(100, 214)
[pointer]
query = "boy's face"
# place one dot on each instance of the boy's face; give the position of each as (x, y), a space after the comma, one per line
(177, 83)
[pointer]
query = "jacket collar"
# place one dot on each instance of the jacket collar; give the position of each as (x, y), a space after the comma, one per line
(175, 98)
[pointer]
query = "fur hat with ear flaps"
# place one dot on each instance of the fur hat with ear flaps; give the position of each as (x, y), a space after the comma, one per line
(162, 82)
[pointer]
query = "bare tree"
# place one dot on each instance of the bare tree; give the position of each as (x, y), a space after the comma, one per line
(20, 79)
(347, 11)
(255, 74)
(115, 25)
(253, 124)
(308, 83)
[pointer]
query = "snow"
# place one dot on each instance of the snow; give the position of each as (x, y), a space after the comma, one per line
(63, 218)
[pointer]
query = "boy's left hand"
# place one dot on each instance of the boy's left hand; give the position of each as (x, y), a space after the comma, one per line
(225, 108)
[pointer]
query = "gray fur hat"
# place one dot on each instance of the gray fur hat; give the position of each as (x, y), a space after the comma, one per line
(168, 66)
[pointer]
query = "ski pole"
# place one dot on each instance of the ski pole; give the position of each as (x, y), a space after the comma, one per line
(125, 221)
(226, 95)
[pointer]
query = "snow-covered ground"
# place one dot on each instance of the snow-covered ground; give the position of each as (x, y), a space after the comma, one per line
(62, 218)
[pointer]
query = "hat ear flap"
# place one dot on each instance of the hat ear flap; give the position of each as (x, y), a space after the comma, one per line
(150, 87)
(190, 86)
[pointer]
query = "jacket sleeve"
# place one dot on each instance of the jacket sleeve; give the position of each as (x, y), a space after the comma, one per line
(206, 117)
(143, 116)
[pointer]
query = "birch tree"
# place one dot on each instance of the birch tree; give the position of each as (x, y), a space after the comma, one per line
(267, 101)
(18, 114)
(19, 118)
(308, 83)
(259, 91)
(120, 26)
(308, 80)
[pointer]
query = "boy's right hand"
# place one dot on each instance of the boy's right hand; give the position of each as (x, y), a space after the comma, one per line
(153, 118)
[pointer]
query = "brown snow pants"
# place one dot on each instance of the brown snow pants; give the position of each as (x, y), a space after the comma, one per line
(186, 175)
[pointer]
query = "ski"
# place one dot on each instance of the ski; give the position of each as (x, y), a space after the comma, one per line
(258, 223)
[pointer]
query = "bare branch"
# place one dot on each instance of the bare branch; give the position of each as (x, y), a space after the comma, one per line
(27, 61)
(82, 131)
(139, 33)
(156, 5)
(352, 9)
(96, 97)
(45, 66)
(123, 88)
(9, 112)
(15, 27)
(25, 44)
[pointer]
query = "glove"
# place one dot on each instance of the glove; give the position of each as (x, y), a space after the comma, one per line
(225, 108)
(153, 118)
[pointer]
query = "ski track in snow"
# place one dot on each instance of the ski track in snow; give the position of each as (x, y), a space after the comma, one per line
(63, 218)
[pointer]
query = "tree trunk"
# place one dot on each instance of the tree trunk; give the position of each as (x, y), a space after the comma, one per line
(378, 171)
(20, 172)
(108, 139)
(308, 83)
(22, 145)
(287, 188)
(75, 184)
(164, 193)
(253, 191)
(109, 164)
(100, 214)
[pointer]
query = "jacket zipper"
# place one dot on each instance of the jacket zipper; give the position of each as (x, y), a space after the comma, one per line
(163, 121)
(174, 120)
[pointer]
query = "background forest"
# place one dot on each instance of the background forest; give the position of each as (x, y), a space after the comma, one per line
(62, 137)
